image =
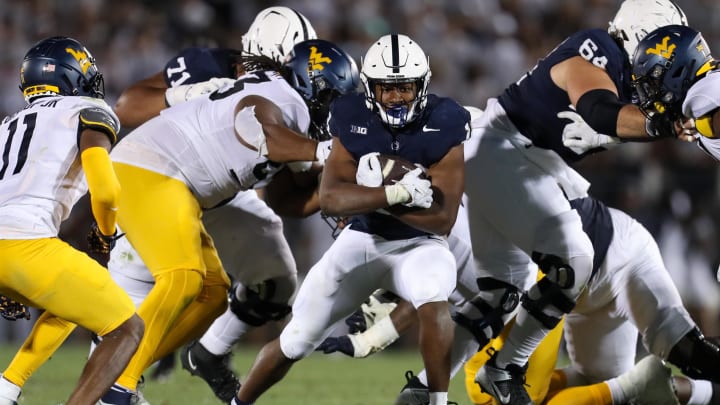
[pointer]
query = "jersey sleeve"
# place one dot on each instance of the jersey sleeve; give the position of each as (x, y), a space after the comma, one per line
(599, 48)
(703, 97)
(97, 115)
(193, 65)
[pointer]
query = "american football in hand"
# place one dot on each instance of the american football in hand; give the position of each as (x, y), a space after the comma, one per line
(395, 167)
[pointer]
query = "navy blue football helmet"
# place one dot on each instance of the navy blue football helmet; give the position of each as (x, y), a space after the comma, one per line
(60, 66)
(666, 63)
(319, 70)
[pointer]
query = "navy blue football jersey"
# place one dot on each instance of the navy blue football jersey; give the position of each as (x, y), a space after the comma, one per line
(193, 65)
(442, 125)
(597, 224)
(532, 103)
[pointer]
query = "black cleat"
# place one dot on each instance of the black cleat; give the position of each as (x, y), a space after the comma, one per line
(215, 370)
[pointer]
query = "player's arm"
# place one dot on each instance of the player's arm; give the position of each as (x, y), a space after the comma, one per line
(293, 194)
(340, 195)
(448, 182)
(595, 97)
(260, 126)
(98, 132)
(141, 101)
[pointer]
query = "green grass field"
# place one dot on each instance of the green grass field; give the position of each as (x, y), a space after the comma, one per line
(317, 380)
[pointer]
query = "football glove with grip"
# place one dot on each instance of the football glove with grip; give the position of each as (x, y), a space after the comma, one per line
(369, 171)
(180, 94)
(579, 137)
(411, 191)
(13, 310)
(100, 243)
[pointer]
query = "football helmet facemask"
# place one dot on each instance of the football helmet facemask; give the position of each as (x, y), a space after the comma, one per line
(637, 18)
(275, 31)
(319, 70)
(60, 66)
(666, 63)
(396, 59)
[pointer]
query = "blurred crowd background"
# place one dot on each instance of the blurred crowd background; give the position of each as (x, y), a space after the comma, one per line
(476, 48)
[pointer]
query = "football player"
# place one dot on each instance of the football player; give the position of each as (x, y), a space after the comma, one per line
(395, 239)
(235, 138)
(243, 226)
(630, 291)
(59, 140)
(521, 183)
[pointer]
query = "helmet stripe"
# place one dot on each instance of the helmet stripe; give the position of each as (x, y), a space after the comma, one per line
(395, 51)
(302, 23)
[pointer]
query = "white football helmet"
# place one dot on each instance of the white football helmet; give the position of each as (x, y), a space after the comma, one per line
(637, 18)
(275, 31)
(396, 59)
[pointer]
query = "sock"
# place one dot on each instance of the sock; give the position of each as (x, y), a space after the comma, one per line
(236, 401)
(702, 392)
(8, 390)
(224, 333)
(595, 394)
(438, 398)
(618, 395)
(524, 338)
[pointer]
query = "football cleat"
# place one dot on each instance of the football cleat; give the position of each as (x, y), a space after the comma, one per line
(214, 369)
(414, 392)
(118, 395)
(649, 382)
(506, 385)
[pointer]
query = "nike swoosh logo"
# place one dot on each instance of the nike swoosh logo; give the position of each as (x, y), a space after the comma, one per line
(426, 129)
(190, 362)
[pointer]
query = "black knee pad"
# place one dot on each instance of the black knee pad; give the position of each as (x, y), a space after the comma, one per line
(256, 308)
(492, 316)
(697, 357)
(549, 293)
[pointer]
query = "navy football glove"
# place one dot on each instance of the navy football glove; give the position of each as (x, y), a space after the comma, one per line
(13, 310)
(100, 243)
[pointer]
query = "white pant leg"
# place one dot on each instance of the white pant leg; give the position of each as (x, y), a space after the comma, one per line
(246, 228)
(631, 291)
(419, 270)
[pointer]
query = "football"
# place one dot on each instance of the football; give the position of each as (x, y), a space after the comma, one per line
(395, 167)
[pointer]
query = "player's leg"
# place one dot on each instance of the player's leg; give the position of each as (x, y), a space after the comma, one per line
(48, 333)
(426, 276)
(161, 219)
(262, 291)
(333, 288)
(529, 208)
(82, 293)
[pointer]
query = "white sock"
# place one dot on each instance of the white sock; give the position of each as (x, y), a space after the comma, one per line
(438, 398)
(617, 393)
(524, 338)
(701, 392)
(224, 333)
(8, 390)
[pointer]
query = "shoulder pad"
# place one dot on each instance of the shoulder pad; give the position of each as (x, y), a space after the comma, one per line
(101, 120)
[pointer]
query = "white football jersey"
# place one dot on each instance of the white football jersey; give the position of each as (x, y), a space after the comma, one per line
(196, 141)
(41, 176)
(702, 98)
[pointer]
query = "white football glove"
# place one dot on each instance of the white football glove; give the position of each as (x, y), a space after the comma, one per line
(323, 151)
(410, 191)
(369, 172)
(180, 94)
(579, 137)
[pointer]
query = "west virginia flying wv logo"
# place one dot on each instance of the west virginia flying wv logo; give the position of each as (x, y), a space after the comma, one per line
(317, 59)
(81, 57)
(662, 49)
